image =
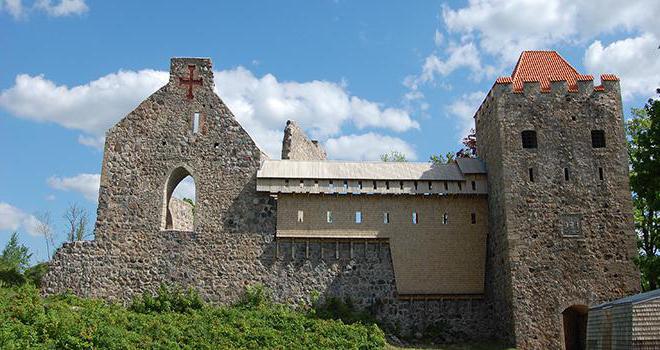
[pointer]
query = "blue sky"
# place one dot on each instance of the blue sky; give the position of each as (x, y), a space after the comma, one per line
(363, 77)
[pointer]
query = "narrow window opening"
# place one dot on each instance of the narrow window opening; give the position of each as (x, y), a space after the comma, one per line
(529, 139)
(375, 186)
(473, 218)
(446, 185)
(345, 185)
(401, 185)
(460, 186)
(386, 218)
(474, 186)
(286, 182)
(328, 216)
(531, 174)
(316, 182)
(358, 217)
(331, 185)
(300, 215)
(180, 199)
(415, 183)
(445, 218)
(601, 175)
(195, 123)
(597, 138)
(216, 145)
(387, 185)
(302, 183)
(566, 175)
(430, 186)
(360, 185)
(415, 218)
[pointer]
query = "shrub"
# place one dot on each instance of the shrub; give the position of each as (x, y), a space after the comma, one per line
(337, 309)
(34, 274)
(168, 299)
(256, 296)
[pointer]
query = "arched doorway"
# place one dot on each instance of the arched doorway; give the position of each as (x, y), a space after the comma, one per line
(575, 327)
(179, 201)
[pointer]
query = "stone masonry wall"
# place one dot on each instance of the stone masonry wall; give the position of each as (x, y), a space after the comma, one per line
(549, 270)
(182, 215)
(297, 146)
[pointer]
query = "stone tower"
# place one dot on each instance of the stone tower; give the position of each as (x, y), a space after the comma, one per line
(561, 233)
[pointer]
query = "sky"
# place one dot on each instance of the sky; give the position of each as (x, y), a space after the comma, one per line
(362, 77)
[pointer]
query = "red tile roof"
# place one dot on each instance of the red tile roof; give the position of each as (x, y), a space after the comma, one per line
(545, 67)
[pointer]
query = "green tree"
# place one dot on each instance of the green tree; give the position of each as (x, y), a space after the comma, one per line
(437, 159)
(644, 154)
(393, 156)
(15, 255)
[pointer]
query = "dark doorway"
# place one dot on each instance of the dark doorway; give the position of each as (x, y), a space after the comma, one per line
(575, 327)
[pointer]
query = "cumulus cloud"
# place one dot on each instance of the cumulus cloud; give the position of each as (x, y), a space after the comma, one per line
(367, 146)
(635, 60)
(62, 8)
(261, 104)
(85, 184)
(463, 110)
(14, 219)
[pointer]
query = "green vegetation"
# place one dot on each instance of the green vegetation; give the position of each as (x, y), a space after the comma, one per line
(644, 154)
(393, 156)
(172, 320)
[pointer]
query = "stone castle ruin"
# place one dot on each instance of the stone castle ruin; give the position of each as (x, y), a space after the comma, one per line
(514, 245)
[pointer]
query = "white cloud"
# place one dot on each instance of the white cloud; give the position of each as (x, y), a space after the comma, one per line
(463, 111)
(63, 8)
(59, 9)
(185, 189)
(437, 38)
(262, 105)
(367, 146)
(86, 184)
(14, 219)
(635, 60)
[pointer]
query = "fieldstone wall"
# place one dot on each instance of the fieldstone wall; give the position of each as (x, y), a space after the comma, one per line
(561, 242)
(297, 146)
(182, 215)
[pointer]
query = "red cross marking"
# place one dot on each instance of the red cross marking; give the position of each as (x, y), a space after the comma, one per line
(190, 81)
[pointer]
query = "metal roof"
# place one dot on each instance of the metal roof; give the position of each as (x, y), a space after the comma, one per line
(323, 169)
(633, 299)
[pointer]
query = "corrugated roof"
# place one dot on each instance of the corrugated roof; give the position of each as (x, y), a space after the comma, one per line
(296, 169)
(633, 299)
(545, 67)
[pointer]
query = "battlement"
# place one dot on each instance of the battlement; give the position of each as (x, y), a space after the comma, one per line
(555, 84)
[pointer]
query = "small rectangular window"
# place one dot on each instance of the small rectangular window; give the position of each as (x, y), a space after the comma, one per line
(331, 185)
(445, 218)
(415, 218)
(195, 125)
(300, 216)
(474, 186)
(430, 186)
(360, 185)
(597, 138)
(400, 185)
(460, 186)
(345, 185)
(473, 218)
(529, 139)
(446, 185)
(531, 174)
(328, 216)
(302, 183)
(601, 175)
(375, 186)
(358, 217)
(387, 185)
(415, 183)
(386, 218)
(566, 175)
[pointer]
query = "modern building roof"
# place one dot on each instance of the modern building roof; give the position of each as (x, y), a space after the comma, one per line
(323, 169)
(633, 299)
(545, 67)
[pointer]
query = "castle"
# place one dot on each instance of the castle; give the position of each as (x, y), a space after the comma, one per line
(513, 245)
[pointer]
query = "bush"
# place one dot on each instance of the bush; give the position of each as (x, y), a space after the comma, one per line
(28, 321)
(168, 299)
(336, 309)
(36, 273)
(256, 296)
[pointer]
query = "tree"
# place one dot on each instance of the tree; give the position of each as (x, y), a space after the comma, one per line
(45, 228)
(76, 220)
(469, 149)
(644, 155)
(15, 256)
(438, 159)
(393, 156)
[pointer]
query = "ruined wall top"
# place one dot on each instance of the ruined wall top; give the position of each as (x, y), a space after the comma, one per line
(297, 146)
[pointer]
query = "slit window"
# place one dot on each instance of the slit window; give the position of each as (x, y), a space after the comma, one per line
(401, 185)
(300, 216)
(529, 139)
(375, 186)
(331, 186)
(430, 186)
(387, 185)
(473, 218)
(566, 175)
(531, 174)
(328, 217)
(415, 185)
(446, 186)
(386, 218)
(601, 175)
(597, 138)
(345, 185)
(195, 125)
(415, 218)
(358, 217)
(474, 186)
(460, 186)
(445, 218)
(360, 185)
